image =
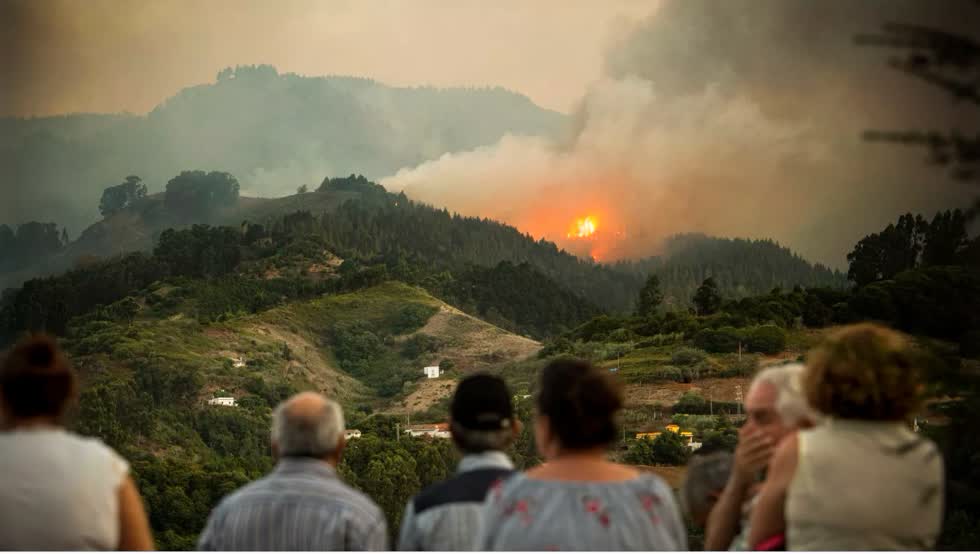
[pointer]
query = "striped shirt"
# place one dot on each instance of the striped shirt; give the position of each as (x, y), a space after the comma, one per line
(301, 505)
(446, 516)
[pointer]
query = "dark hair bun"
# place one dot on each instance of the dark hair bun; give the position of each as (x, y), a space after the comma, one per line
(36, 379)
(39, 352)
(581, 403)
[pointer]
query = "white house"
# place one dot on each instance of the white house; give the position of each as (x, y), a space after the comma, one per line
(432, 371)
(222, 401)
(434, 430)
(352, 434)
(237, 361)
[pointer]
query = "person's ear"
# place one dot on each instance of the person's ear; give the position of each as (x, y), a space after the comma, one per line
(338, 452)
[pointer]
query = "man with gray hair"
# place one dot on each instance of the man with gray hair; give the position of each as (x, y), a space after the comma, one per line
(774, 407)
(302, 504)
(447, 516)
(704, 480)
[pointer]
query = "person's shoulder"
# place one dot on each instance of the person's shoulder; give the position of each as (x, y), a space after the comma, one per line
(357, 501)
(467, 487)
(93, 450)
(242, 495)
(650, 482)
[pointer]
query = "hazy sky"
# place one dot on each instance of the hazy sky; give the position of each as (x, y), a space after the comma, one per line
(59, 56)
(729, 117)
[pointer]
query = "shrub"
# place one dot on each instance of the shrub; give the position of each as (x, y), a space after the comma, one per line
(691, 403)
(666, 449)
(687, 356)
(768, 339)
(418, 345)
(721, 340)
(410, 318)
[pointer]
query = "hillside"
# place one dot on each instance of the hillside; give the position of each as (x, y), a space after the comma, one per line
(741, 268)
(273, 131)
(352, 346)
(416, 241)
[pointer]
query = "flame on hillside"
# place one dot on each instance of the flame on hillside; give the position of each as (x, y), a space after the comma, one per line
(583, 227)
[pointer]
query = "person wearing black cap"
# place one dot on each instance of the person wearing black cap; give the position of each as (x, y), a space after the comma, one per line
(446, 515)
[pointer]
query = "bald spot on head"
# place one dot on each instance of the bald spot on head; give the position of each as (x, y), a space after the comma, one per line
(306, 406)
(308, 424)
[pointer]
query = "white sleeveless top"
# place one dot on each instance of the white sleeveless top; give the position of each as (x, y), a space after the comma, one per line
(58, 491)
(862, 485)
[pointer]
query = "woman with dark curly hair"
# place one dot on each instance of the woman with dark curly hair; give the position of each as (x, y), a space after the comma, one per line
(862, 480)
(577, 499)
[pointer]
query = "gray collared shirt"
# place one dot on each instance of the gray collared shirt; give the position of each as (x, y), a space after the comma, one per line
(447, 516)
(301, 505)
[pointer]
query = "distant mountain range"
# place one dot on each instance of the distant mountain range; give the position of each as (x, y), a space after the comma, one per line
(273, 131)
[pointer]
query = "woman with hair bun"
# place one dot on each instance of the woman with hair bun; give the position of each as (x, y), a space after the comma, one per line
(578, 500)
(58, 491)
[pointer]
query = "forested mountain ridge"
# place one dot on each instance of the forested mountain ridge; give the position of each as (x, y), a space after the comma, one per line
(273, 131)
(741, 267)
(361, 220)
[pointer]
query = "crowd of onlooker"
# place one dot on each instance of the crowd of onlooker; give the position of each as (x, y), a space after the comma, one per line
(826, 460)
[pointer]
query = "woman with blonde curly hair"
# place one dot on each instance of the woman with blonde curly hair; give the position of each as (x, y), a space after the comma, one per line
(861, 480)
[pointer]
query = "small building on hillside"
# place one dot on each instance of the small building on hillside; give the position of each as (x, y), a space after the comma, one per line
(222, 401)
(432, 372)
(434, 430)
(352, 434)
(687, 437)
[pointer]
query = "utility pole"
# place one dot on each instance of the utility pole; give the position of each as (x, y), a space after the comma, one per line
(398, 434)
(738, 398)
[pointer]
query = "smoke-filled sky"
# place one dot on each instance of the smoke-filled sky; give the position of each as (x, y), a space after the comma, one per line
(734, 117)
(59, 56)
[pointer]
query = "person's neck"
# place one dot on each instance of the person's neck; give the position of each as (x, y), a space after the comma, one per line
(592, 455)
(30, 423)
(331, 461)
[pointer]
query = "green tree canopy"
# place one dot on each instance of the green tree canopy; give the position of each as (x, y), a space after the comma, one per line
(121, 196)
(197, 195)
(707, 299)
(650, 297)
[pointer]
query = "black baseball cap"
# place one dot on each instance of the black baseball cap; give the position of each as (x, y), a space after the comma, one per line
(482, 403)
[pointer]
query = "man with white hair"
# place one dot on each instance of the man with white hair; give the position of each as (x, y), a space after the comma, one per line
(302, 504)
(774, 406)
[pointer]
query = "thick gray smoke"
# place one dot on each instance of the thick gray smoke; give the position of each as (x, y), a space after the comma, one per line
(735, 118)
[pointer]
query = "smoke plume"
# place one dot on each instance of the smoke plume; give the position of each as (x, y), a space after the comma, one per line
(729, 118)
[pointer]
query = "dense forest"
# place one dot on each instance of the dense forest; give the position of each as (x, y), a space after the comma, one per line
(274, 131)
(23, 244)
(359, 219)
(740, 267)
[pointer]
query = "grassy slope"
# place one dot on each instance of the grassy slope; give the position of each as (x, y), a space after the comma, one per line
(180, 342)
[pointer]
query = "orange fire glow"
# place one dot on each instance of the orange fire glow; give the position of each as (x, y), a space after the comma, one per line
(584, 227)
